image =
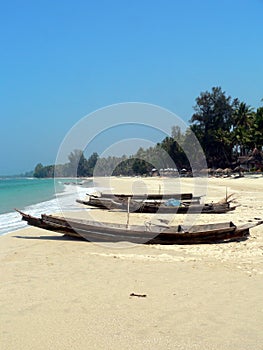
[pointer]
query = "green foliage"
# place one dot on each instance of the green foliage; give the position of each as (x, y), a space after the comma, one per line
(78, 166)
(243, 120)
(225, 128)
(44, 171)
(90, 165)
(257, 128)
(213, 120)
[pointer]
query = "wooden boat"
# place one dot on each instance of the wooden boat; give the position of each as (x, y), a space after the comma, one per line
(157, 196)
(186, 197)
(39, 222)
(149, 233)
(153, 206)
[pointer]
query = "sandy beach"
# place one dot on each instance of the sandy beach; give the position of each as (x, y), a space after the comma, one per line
(59, 293)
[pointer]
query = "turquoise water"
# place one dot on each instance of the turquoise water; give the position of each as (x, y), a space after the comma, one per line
(35, 197)
(19, 193)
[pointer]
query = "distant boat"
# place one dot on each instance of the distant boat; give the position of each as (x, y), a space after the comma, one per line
(149, 233)
(155, 205)
(148, 196)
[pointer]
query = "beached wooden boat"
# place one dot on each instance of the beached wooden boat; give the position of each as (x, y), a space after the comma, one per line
(48, 225)
(153, 206)
(148, 233)
(183, 197)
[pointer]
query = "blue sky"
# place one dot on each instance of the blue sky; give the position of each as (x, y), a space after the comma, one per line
(61, 60)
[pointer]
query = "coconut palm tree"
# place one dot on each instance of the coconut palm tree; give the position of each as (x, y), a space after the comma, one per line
(243, 119)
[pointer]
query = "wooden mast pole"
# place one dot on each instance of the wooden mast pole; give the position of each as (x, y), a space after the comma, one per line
(128, 212)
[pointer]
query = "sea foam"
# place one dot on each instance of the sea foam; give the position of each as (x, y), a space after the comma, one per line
(64, 201)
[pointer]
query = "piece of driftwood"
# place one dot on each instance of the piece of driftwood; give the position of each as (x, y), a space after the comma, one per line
(147, 233)
(138, 295)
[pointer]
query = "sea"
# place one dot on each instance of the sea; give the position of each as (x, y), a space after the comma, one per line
(37, 196)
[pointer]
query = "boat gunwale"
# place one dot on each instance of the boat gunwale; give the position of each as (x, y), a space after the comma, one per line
(225, 232)
(148, 228)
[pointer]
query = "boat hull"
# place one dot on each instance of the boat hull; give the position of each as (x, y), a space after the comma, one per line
(154, 206)
(149, 233)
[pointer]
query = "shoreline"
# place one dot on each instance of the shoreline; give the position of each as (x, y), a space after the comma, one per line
(68, 294)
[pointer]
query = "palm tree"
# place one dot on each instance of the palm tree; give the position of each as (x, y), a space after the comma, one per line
(243, 118)
(257, 128)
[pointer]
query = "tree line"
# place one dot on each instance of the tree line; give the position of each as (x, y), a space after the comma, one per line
(77, 165)
(226, 129)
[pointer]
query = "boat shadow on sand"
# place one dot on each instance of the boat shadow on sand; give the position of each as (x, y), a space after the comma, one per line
(52, 238)
(66, 238)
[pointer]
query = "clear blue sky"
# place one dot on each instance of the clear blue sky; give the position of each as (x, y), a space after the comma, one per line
(61, 60)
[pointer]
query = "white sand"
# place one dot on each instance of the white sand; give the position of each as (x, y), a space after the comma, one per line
(65, 294)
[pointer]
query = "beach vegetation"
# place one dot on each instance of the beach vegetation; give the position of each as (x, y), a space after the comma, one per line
(226, 128)
(43, 171)
(213, 121)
